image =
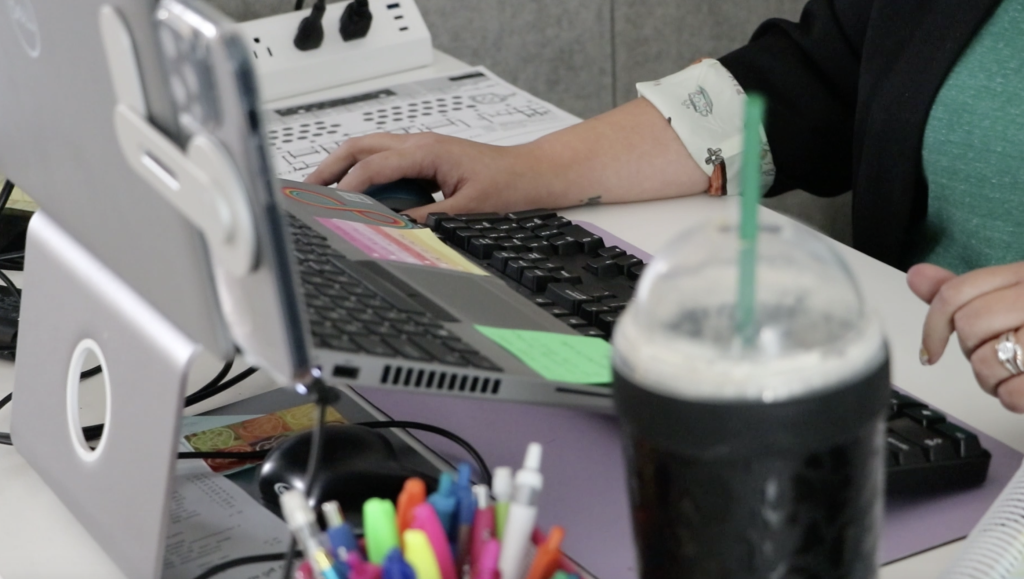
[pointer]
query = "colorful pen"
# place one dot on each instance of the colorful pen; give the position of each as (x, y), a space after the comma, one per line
(420, 555)
(302, 523)
(467, 511)
(445, 502)
(502, 486)
(358, 568)
(560, 575)
(304, 571)
(487, 565)
(395, 566)
(522, 514)
(379, 528)
(339, 533)
(546, 561)
(564, 563)
(483, 525)
(425, 519)
(414, 492)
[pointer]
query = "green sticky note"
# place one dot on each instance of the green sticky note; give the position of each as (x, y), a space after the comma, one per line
(557, 357)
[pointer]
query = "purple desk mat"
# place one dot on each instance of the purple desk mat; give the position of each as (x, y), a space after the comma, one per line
(585, 481)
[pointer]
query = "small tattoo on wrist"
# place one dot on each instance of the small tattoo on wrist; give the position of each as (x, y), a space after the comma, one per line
(595, 200)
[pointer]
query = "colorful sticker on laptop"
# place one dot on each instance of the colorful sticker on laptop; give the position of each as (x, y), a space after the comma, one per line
(418, 246)
(260, 433)
(358, 208)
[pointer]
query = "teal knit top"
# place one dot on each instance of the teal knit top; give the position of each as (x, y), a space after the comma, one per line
(973, 153)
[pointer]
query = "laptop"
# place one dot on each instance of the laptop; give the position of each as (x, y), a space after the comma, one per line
(57, 143)
(391, 305)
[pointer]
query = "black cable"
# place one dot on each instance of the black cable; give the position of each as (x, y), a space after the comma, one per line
(9, 286)
(97, 369)
(207, 392)
(481, 465)
(253, 455)
(409, 425)
(310, 33)
(213, 383)
(5, 193)
(355, 20)
(232, 563)
(211, 388)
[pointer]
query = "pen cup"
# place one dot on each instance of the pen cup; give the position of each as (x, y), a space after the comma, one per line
(752, 454)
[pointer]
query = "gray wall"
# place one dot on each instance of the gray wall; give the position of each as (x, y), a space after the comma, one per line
(586, 55)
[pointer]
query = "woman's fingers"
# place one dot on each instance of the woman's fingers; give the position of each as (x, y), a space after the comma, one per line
(955, 294)
(990, 372)
(988, 317)
(337, 164)
(925, 280)
(1011, 394)
(390, 165)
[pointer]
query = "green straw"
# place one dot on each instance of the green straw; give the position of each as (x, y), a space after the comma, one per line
(750, 188)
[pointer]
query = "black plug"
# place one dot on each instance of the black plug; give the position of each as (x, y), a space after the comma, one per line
(310, 34)
(355, 20)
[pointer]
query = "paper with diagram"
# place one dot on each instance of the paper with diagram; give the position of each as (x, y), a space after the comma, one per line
(474, 104)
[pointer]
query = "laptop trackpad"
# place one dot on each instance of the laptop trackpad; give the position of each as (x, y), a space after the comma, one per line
(478, 299)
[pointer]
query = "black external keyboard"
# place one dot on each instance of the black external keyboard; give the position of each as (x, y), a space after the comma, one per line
(571, 273)
(558, 265)
(926, 453)
(354, 307)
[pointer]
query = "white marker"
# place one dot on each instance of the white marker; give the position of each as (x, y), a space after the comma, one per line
(522, 515)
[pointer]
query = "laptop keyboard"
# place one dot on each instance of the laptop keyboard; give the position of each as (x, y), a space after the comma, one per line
(558, 265)
(352, 309)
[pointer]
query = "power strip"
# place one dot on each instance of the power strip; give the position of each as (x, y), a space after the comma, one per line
(398, 40)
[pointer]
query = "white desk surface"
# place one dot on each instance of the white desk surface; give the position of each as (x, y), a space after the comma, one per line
(40, 539)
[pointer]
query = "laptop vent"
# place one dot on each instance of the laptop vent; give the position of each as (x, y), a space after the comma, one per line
(406, 377)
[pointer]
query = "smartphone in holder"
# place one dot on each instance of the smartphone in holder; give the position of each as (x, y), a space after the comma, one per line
(214, 89)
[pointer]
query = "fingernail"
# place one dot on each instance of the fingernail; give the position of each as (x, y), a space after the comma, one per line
(923, 357)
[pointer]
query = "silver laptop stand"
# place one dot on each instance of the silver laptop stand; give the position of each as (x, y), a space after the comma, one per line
(119, 492)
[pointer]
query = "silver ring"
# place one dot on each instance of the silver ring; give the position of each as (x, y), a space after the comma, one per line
(1010, 354)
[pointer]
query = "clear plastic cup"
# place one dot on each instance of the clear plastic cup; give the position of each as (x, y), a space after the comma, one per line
(758, 457)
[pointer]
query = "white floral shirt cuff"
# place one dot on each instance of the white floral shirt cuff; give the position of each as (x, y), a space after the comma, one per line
(704, 105)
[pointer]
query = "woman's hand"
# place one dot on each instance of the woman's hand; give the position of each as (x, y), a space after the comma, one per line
(473, 177)
(981, 307)
(630, 153)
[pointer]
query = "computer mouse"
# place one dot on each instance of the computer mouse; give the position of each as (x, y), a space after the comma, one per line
(357, 463)
(403, 194)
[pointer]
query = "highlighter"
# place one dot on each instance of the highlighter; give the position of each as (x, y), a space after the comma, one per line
(379, 529)
(395, 566)
(425, 519)
(522, 514)
(445, 502)
(420, 555)
(414, 492)
(487, 566)
(548, 556)
(483, 525)
(502, 488)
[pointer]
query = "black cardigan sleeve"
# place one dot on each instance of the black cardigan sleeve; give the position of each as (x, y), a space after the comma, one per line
(808, 72)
